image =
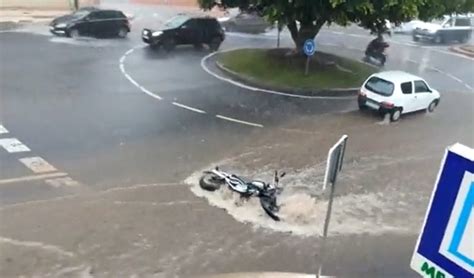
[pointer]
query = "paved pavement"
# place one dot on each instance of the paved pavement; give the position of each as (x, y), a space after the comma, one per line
(93, 162)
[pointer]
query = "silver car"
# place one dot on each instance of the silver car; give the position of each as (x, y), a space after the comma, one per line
(245, 23)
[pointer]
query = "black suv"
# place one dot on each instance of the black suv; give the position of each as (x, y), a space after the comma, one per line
(183, 29)
(91, 22)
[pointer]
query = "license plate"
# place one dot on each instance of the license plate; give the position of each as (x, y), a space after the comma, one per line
(372, 105)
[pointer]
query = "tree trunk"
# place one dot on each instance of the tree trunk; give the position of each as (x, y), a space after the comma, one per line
(306, 31)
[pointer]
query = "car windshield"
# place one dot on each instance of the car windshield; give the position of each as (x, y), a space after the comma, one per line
(380, 86)
(440, 21)
(176, 21)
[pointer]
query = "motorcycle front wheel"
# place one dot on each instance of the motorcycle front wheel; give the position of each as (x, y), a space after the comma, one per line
(210, 182)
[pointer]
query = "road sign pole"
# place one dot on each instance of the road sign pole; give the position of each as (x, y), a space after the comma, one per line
(278, 37)
(309, 48)
(334, 166)
(306, 69)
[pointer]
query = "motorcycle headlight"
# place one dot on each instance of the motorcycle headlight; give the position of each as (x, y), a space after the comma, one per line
(61, 25)
(156, 33)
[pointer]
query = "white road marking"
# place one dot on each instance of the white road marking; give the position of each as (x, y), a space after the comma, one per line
(38, 165)
(3, 130)
(328, 44)
(32, 178)
(255, 89)
(436, 69)
(189, 108)
(64, 181)
(446, 52)
(37, 244)
(13, 145)
(469, 87)
(238, 121)
(450, 75)
(357, 36)
(143, 89)
(135, 83)
(129, 51)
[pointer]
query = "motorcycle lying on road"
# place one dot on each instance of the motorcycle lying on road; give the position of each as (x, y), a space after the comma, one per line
(266, 192)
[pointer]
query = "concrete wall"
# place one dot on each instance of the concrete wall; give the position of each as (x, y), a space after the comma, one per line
(44, 4)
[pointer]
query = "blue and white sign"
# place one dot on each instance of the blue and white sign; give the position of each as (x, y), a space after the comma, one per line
(309, 47)
(445, 247)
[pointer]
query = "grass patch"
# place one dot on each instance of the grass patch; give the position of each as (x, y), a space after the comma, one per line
(275, 67)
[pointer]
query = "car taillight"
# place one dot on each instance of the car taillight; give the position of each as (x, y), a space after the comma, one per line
(386, 104)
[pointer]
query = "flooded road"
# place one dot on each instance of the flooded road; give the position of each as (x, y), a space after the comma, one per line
(124, 198)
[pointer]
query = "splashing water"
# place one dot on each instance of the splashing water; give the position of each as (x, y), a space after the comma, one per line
(303, 208)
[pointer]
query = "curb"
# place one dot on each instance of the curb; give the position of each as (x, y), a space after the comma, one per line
(334, 93)
(461, 51)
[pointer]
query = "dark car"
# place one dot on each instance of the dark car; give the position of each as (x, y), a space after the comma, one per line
(452, 29)
(182, 30)
(91, 22)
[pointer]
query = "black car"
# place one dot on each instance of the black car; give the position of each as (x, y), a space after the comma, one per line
(91, 22)
(183, 29)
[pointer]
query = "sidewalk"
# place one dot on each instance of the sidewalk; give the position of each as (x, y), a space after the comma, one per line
(467, 50)
(11, 18)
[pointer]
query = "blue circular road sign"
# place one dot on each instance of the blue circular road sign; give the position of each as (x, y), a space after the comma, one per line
(309, 47)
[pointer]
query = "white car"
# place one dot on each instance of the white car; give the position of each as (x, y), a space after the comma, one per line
(397, 93)
(408, 27)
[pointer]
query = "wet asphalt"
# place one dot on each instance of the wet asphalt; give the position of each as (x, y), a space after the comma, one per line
(70, 103)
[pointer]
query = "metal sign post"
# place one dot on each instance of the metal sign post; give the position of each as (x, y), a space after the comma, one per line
(280, 28)
(445, 247)
(333, 167)
(309, 48)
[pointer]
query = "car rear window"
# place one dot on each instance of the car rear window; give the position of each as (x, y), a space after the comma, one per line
(379, 86)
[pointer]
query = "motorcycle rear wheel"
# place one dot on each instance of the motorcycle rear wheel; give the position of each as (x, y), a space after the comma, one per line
(210, 182)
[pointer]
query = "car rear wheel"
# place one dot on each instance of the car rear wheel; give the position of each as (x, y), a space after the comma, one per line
(169, 44)
(73, 33)
(395, 114)
(122, 32)
(215, 44)
(432, 106)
